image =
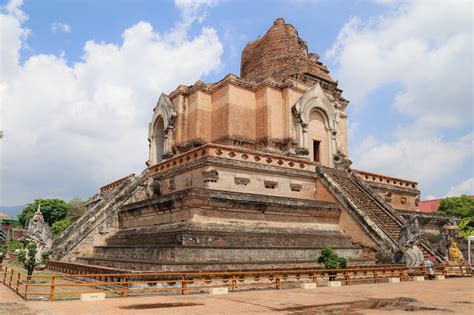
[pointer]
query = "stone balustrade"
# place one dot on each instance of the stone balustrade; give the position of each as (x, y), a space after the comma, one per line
(241, 154)
(382, 179)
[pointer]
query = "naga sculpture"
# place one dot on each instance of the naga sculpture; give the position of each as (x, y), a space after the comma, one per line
(409, 242)
(38, 231)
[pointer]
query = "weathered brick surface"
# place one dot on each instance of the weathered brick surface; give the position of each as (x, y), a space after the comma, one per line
(279, 54)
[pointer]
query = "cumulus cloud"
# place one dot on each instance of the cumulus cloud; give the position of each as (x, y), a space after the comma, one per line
(427, 50)
(464, 188)
(59, 27)
(69, 129)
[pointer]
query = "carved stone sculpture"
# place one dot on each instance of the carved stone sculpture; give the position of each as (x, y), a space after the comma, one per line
(38, 231)
(409, 242)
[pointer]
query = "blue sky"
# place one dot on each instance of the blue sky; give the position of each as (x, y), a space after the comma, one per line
(79, 80)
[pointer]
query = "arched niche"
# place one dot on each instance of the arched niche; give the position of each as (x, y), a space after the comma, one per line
(319, 137)
(159, 139)
(160, 132)
(313, 110)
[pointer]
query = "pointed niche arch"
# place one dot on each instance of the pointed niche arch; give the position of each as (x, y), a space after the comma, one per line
(160, 132)
(316, 124)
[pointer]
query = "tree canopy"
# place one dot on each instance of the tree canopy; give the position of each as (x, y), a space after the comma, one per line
(53, 210)
(461, 207)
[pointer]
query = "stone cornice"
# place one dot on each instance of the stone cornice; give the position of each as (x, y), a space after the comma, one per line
(328, 86)
(166, 201)
(393, 181)
(236, 154)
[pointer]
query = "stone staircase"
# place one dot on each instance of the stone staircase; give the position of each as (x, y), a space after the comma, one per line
(99, 221)
(370, 210)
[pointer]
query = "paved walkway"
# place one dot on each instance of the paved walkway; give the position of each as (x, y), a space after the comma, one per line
(455, 296)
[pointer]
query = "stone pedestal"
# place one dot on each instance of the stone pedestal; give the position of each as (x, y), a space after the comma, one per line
(420, 278)
(218, 291)
(333, 284)
(394, 280)
(310, 285)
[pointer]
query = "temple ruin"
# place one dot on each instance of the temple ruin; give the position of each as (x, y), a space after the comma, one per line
(252, 172)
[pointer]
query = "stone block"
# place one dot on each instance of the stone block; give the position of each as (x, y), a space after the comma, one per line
(308, 285)
(218, 291)
(91, 297)
(393, 280)
(420, 278)
(440, 277)
(333, 284)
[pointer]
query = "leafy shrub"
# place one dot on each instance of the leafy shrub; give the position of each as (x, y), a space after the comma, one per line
(13, 245)
(331, 260)
(60, 226)
(27, 257)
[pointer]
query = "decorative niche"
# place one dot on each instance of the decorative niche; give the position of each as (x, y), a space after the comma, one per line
(171, 184)
(404, 200)
(270, 184)
(241, 181)
(295, 187)
(210, 175)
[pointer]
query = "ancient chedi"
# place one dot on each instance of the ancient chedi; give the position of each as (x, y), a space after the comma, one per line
(251, 172)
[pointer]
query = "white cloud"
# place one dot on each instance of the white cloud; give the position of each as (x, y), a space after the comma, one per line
(70, 128)
(424, 47)
(426, 159)
(427, 50)
(59, 27)
(464, 188)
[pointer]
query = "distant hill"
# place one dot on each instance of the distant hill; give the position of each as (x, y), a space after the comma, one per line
(13, 210)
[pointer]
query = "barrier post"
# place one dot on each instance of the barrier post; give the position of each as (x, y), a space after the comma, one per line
(18, 276)
(5, 274)
(11, 278)
(234, 283)
(51, 292)
(183, 284)
(26, 286)
(124, 286)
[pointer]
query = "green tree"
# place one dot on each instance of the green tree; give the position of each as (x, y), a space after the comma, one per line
(27, 258)
(53, 210)
(60, 226)
(461, 207)
(76, 209)
(331, 260)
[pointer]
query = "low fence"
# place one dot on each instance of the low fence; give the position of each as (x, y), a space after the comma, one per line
(70, 286)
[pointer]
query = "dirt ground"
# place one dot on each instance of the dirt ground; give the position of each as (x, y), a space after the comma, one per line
(451, 296)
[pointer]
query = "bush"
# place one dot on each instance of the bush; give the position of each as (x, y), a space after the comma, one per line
(331, 260)
(13, 245)
(461, 207)
(27, 257)
(60, 226)
(44, 258)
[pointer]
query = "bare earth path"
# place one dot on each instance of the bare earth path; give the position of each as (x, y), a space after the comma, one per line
(452, 296)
